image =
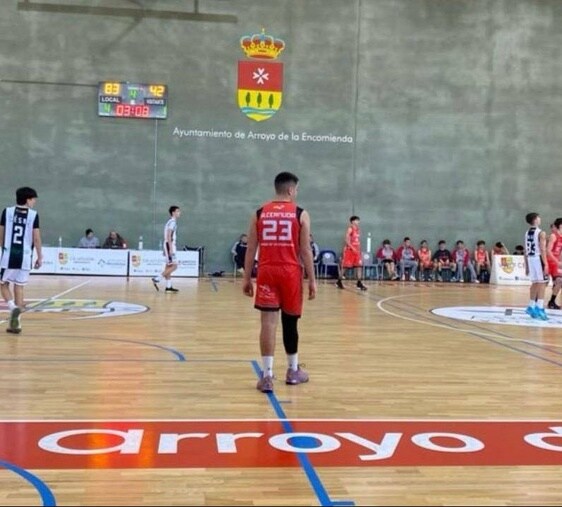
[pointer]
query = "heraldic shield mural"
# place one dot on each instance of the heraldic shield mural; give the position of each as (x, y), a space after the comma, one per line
(260, 79)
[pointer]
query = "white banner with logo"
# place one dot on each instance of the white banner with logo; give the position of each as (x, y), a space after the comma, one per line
(83, 261)
(509, 270)
(151, 262)
(94, 261)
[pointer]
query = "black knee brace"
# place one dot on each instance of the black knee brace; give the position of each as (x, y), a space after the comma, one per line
(290, 333)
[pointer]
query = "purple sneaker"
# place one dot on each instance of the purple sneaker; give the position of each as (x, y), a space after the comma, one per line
(265, 384)
(296, 377)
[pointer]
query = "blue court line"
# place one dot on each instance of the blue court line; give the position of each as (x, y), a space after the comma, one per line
(424, 311)
(313, 478)
(45, 493)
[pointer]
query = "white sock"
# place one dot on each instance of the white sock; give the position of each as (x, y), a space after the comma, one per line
(11, 305)
(267, 362)
(540, 303)
(168, 283)
(293, 361)
(532, 303)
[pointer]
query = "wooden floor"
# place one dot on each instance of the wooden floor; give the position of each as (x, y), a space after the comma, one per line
(188, 362)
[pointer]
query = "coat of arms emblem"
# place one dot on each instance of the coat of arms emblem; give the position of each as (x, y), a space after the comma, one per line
(260, 79)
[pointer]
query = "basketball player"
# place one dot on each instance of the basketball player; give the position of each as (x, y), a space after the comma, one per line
(281, 230)
(554, 250)
(536, 266)
(481, 258)
(19, 234)
(169, 251)
(351, 256)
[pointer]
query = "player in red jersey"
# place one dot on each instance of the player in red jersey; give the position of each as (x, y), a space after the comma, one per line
(481, 258)
(281, 231)
(553, 251)
(351, 256)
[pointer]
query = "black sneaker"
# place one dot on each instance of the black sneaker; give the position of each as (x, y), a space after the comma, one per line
(172, 289)
(360, 285)
(155, 283)
(14, 325)
(339, 284)
(553, 306)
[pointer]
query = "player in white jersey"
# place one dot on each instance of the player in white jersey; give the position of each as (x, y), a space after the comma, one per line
(169, 245)
(536, 266)
(19, 235)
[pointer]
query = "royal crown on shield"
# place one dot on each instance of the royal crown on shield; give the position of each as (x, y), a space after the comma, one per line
(261, 45)
(260, 79)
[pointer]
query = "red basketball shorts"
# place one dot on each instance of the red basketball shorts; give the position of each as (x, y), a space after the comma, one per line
(279, 288)
(351, 258)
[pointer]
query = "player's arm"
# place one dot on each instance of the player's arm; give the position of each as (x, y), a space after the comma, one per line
(306, 254)
(251, 250)
(37, 243)
(2, 228)
(550, 247)
(542, 242)
(348, 238)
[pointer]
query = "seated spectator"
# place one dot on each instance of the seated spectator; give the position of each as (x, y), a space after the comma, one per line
(442, 260)
(238, 251)
(387, 256)
(425, 262)
(89, 240)
(407, 259)
(481, 258)
(499, 249)
(519, 250)
(461, 257)
(114, 240)
(315, 250)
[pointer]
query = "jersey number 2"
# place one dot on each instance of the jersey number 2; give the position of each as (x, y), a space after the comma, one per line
(17, 238)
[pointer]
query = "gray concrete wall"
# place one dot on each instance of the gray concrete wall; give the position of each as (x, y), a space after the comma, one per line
(454, 108)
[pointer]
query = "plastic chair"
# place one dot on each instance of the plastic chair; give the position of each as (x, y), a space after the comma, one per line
(369, 267)
(328, 263)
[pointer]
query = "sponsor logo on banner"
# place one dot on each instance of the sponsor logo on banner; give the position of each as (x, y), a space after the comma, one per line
(136, 260)
(63, 258)
(275, 443)
(260, 79)
(507, 264)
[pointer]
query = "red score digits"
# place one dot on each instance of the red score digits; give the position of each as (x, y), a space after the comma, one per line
(128, 110)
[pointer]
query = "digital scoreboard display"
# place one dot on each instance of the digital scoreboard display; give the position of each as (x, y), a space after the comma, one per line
(132, 100)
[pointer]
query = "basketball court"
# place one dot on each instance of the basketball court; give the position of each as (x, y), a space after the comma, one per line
(420, 394)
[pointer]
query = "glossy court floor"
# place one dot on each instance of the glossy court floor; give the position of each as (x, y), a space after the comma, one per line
(419, 394)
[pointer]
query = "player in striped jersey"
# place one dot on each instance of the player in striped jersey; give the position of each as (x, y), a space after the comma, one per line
(169, 246)
(19, 234)
(536, 266)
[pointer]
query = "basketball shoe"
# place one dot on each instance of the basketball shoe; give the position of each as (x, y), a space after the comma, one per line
(296, 377)
(265, 384)
(15, 326)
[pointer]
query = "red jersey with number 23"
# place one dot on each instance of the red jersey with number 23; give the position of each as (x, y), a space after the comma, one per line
(278, 225)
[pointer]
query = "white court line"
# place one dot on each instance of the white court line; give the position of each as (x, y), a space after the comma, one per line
(452, 328)
(52, 298)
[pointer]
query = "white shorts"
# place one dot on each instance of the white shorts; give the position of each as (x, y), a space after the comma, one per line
(536, 272)
(17, 276)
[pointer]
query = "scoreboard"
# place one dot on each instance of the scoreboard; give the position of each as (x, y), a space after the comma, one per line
(132, 100)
